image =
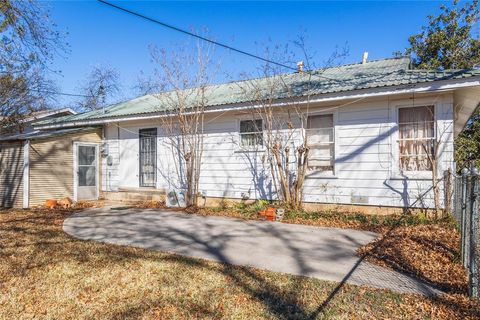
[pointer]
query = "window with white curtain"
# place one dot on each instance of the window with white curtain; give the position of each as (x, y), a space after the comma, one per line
(320, 134)
(251, 133)
(416, 138)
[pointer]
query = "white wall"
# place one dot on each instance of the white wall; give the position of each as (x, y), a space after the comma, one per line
(365, 168)
(110, 164)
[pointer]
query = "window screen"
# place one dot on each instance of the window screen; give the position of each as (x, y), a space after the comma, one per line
(251, 133)
(321, 141)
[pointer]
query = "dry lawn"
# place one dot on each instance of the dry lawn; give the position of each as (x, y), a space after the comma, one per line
(47, 274)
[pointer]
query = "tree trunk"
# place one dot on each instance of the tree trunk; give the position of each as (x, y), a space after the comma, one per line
(281, 173)
(447, 188)
(436, 191)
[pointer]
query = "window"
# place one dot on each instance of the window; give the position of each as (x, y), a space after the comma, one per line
(148, 157)
(416, 137)
(251, 133)
(321, 141)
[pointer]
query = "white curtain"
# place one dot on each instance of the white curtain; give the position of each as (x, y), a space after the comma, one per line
(416, 137)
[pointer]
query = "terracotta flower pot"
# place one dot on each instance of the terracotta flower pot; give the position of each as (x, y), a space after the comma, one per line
(50, 203)
(270, 210)
(271, 218)
(268, 214)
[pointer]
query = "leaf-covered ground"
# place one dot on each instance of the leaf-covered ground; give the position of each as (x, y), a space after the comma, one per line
(47, 274)
(430, 252)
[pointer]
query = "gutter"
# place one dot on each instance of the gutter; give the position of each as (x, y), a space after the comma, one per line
(422, 87)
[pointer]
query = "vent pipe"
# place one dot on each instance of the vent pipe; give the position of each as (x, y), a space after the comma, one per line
(300, 66)
(364, 57)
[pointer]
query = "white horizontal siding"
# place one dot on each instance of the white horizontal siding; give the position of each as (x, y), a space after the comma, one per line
(110, 173)
(364, 167)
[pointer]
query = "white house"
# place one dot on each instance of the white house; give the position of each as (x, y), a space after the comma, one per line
(370, 119)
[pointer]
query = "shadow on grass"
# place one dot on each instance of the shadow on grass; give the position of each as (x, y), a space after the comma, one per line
(42, 241)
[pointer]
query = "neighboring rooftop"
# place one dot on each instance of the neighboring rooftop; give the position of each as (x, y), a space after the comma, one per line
(25, 124)
(373, 74)
(49, 113)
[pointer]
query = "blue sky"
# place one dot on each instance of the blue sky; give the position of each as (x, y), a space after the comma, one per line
(100, 35)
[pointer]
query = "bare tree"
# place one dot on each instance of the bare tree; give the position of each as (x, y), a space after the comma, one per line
(285, 136)
(28, 37)
(183, 75)
(21, 96)
(422, 143)
(434, 157)
(282, 137)
(28, 42)
(101, 87)
(146, 84)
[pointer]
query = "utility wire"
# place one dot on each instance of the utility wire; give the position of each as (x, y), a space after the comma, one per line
(62, 93)
(209, 40)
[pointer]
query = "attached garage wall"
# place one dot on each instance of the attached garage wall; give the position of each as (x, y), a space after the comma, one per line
(51, 166)
(11, 174)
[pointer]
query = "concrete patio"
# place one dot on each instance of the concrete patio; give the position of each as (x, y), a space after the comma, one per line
(323, 253)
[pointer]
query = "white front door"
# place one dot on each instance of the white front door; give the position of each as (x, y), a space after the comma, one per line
(86, 171)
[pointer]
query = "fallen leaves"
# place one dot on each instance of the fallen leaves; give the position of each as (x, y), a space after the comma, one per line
(150, 204)
(44, 273)
(430, 252)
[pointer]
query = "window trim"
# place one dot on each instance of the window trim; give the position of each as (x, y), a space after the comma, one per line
(396, 173)
(256, 148)
(334, 173)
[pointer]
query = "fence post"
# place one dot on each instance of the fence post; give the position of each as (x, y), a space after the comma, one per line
(473, 269)
(463, 226)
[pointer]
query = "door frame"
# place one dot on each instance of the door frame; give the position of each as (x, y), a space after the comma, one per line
(76, 144)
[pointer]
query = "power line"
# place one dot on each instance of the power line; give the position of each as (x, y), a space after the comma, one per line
(209, 40)
(62, 93)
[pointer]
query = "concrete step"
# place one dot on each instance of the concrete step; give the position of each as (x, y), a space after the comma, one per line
(142, 190)
(135, 195)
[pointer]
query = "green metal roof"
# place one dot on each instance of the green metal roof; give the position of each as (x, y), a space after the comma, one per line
(373, 74)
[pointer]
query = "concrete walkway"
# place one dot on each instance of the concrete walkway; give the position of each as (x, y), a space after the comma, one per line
(323, 253)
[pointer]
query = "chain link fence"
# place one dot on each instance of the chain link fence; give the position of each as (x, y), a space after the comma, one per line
(466, 206)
